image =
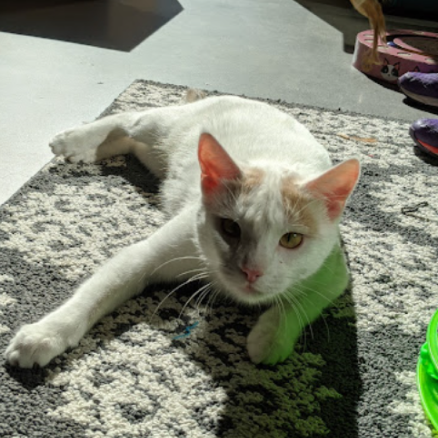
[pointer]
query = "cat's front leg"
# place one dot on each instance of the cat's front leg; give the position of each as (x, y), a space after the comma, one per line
(39, 343)
(270, 342)
(274, 336)
(168, 254)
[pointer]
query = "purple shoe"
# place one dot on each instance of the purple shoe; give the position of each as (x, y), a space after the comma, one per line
(425, 134)
(422, 87)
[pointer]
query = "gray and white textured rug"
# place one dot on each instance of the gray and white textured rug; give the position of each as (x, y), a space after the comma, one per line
(353, 374)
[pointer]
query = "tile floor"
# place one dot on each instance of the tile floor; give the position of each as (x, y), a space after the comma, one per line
(63, 62)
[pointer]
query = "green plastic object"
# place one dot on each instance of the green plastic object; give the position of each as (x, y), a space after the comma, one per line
(427, 372)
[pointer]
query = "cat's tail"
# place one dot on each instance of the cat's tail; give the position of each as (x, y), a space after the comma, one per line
(192, 95)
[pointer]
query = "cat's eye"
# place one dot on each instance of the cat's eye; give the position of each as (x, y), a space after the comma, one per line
(291, 240)
(230, 228)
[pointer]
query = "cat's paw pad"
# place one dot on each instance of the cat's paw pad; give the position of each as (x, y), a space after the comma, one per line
(267, 345)
(34, 344)
(74, 146)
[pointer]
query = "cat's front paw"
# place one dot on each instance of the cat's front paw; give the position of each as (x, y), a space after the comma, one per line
(267, 343)
(35, 344)
(75, 146)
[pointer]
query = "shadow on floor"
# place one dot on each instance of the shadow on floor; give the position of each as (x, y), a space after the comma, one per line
(341, 15)
(111, 24)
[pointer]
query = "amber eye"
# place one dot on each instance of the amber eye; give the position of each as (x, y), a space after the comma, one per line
(230, 228)
(291, 240)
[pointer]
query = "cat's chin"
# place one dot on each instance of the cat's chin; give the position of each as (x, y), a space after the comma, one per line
(252, 297)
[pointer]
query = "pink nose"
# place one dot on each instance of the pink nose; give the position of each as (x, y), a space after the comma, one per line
(251, 274)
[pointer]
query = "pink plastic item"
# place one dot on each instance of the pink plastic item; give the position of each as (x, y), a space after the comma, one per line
(405, 50)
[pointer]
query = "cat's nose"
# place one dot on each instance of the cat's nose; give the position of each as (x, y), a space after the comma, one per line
(251, 274)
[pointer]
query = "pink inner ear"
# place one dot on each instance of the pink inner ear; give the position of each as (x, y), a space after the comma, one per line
(336, 185)
(216, 164)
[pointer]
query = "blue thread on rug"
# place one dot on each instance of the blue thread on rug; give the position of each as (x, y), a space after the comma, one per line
(187, 331)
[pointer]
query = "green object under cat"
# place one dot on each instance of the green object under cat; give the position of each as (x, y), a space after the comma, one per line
(308, 299)
(427, 372)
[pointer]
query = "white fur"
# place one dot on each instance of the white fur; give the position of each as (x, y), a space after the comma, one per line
(165, 140)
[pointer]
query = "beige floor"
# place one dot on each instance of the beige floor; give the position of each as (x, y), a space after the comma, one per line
(282, 49)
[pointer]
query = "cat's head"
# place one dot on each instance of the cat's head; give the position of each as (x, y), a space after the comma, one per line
(264, 229)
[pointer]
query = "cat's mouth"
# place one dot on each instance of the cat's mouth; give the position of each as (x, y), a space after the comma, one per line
(249, 289)
(244, 291)
(241, 289)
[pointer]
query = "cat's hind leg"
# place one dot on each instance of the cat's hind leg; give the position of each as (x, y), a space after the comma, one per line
(96, 140)
(139, 133)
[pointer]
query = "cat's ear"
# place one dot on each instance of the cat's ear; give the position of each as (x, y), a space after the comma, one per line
(216, 165)
(336, 185)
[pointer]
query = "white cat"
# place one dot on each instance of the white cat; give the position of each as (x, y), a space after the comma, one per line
(254, 205)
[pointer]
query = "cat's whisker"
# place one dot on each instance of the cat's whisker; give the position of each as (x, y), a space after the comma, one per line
(190, 280)
(195, 294)
(279, 304)
(176, 259)
(212, 299)
(302, 289)
(322, 315)
(190, 272)
(304, 293)
(198, 302)
(309, 323)
(283, 314)
(327, 268)
(301, 324)
(304, 320)
(214, 291)
(217, 292)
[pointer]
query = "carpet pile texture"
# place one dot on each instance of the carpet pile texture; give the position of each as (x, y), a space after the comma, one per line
(353, 373)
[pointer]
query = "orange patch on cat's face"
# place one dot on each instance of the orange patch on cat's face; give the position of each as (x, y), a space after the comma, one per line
(249, 180)
(299, 206)
(252, 178)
